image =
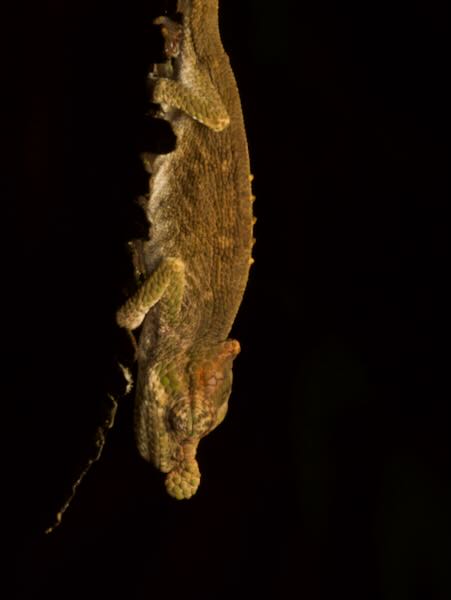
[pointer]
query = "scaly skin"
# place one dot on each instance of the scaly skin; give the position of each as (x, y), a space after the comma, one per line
(195, 266)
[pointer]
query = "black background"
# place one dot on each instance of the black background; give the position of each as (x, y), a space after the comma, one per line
(330, 474)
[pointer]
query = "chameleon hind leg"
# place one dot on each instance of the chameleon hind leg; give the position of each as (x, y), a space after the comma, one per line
(168, 281)
(198, 97)
(202, 102)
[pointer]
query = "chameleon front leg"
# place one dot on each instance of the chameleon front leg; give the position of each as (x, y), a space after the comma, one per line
(167, 280)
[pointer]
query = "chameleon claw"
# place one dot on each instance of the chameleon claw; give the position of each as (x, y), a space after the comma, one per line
(173, 35)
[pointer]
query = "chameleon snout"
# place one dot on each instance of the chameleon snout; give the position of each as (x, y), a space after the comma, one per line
(191, 420)
(184, 479)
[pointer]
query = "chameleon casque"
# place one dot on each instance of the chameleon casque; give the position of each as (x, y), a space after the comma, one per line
(192, 271)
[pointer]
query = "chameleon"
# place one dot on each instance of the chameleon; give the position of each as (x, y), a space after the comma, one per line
(192, 270)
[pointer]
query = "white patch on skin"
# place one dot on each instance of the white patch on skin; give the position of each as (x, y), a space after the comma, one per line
(128, 378)
(159, 180)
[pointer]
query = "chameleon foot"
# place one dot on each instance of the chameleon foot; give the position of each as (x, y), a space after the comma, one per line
(173, 35)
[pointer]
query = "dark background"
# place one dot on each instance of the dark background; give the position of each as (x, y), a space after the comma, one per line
(330, 475)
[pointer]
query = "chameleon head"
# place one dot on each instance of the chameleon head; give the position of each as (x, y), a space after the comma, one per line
(195, 394)
(189, 422)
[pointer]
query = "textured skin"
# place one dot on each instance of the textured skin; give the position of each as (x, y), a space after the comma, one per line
(194, 268)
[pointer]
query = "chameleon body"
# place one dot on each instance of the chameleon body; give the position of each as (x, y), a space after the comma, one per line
(193, 269)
